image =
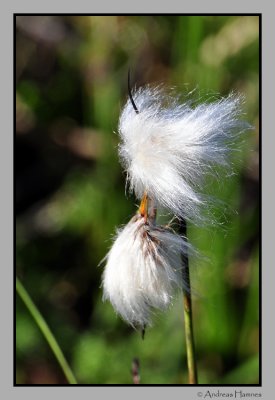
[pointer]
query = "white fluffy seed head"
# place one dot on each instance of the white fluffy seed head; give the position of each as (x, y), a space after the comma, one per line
(143, 270)
(169, 148)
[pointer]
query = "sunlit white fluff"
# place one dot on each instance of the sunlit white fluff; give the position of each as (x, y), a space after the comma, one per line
(143, 270)
(168, 148)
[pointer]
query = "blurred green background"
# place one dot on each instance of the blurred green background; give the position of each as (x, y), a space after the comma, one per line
(71, 82)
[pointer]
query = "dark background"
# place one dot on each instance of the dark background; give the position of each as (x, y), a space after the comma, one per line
(71, 82)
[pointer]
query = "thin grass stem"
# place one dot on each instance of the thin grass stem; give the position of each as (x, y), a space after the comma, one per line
(188, 320)
(42, 324)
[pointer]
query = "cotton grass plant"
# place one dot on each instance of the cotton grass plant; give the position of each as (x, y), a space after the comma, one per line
(168, 149)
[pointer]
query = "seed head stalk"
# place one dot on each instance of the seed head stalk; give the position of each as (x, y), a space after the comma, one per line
(187, 303)
(188, 321)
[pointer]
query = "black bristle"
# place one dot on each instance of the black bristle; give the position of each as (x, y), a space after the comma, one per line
(130, 93)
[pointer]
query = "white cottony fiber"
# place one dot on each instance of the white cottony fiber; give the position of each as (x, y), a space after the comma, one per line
(143, 270)
(169, 148)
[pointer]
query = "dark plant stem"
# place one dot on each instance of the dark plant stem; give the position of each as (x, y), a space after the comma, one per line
(135, 371)
(188, 321)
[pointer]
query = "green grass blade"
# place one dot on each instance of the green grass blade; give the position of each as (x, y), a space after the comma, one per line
(41, 323)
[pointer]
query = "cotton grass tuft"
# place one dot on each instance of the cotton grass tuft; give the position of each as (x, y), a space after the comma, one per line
(168, 148)
(143, 270)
